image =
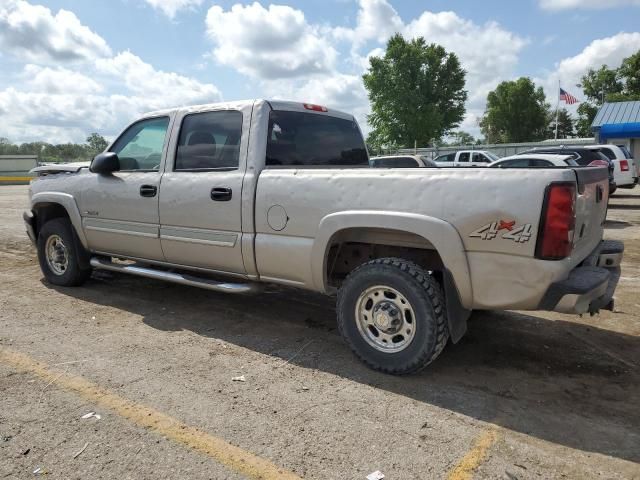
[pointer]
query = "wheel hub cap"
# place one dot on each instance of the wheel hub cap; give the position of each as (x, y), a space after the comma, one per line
(385, 319)
(57, 255)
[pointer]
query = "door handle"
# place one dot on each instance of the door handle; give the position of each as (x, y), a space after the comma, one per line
(148, 190)
(221, 194)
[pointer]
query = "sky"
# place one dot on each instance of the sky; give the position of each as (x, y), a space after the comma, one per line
(72, 67)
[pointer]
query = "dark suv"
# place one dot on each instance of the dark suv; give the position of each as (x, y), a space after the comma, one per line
(583, 157)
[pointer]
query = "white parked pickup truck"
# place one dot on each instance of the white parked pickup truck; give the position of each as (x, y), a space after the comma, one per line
(466, 158)
(226, 196)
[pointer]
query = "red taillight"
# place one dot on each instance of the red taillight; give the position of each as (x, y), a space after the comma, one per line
(315, 108)
(624, 165)
(555, 240)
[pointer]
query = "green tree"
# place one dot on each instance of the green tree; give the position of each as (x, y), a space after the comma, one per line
(565, 124)
(596, 84)
(96, 143)
(516, 112)
(606, 84)
(416, 92)
(629, 74)
(586, 114)
(461, 138)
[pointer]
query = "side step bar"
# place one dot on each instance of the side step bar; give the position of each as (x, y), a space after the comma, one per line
(181, 278)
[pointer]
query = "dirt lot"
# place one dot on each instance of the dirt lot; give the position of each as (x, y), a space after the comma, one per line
(521, 396)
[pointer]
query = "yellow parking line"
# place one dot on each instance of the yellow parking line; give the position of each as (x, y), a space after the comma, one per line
(234, 458)
(15, 179)
(473, 459)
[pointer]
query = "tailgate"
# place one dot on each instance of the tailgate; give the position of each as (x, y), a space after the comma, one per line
(591, 205)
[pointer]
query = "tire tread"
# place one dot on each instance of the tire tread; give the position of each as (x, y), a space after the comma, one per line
(433, 293)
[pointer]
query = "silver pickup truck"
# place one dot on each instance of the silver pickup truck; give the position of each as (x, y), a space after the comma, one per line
(226, 196)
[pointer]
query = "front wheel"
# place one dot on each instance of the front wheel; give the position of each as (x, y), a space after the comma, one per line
(392, 314)
(59, 254)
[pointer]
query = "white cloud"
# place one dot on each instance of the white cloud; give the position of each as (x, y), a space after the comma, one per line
(103, 93)
(34, 33)
(608, 51)
(171, 7)
(158, 89)
(377, 20)
(487, 52)
(268, 43)
(58, 80)
(590, 4)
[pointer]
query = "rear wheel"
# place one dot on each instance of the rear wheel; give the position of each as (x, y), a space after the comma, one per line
(391, 312)
(59, 254)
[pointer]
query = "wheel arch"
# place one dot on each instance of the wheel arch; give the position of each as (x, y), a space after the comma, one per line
(48, 205)
(439, 240)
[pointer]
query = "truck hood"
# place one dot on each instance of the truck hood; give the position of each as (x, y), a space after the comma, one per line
(52, 169)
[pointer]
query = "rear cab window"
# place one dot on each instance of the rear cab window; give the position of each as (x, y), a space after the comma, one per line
(308, 140)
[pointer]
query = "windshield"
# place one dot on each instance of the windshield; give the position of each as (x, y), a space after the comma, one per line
(492, 156)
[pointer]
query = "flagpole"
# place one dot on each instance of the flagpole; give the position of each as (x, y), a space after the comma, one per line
(557, 108)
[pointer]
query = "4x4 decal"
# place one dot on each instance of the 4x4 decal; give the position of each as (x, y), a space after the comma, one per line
(517, 233)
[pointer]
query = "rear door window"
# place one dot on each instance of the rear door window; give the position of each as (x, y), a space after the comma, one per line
(209, 141)
(450, 157)
(464, 157)
(306, 140)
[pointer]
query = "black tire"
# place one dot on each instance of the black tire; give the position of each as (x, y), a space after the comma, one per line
(74, 274)
(426, 299)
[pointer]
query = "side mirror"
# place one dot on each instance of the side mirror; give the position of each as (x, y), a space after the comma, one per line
(105, 163)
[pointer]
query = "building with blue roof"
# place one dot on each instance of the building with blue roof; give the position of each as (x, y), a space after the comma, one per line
(619, 123)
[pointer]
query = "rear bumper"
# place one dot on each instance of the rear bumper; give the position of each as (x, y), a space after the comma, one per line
(29, 223)
(589, 287)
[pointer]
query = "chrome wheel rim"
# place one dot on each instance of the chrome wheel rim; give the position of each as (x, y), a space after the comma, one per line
(57, 255)
(385, 319)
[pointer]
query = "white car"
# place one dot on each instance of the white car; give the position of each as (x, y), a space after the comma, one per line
(533, 160)
(402, 161)
(624, 171)
(466, 158)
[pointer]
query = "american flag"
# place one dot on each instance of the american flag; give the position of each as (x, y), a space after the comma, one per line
(567, 97)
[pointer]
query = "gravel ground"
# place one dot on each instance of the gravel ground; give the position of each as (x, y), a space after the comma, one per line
(522, 396)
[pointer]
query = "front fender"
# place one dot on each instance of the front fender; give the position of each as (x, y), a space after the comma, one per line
(442, 235)
(69, 204)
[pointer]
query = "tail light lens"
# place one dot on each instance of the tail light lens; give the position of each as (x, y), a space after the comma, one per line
(624, 165)
(555, 239)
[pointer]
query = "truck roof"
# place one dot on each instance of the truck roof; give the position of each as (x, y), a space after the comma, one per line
(287, 105)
